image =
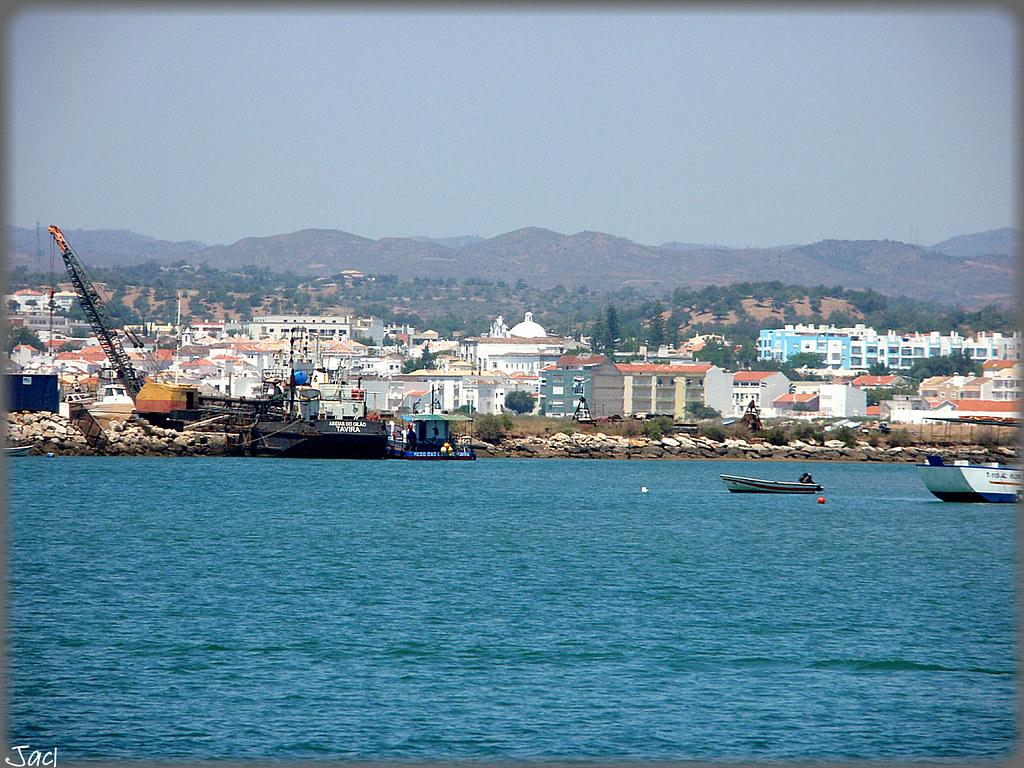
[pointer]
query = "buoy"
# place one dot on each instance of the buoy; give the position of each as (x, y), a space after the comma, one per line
(49, 455)
(821, 499)
(643, 489)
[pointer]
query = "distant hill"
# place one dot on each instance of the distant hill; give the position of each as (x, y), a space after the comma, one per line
(99, 247)
(997, 242)
(450, 242)
(974, 276)
(674, 246)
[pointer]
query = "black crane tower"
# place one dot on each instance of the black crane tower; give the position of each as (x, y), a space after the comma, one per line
(96, 313)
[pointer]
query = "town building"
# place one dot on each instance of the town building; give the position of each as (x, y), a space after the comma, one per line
(889, 381)
(795, 403)
(859, 347)
(841, 401)
(524, 348)
(322, 327)
(761, 387)
(1006, 378)
(577, 379)
(669, 389)
(956, 387)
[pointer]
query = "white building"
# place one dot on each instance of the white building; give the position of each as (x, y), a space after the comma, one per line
(524, 348)
(1006, 378)
(841, 401)
(322, 327)
(760, 386)
(384, 366)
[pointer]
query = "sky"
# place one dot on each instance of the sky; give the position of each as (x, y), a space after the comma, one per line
(739, 127)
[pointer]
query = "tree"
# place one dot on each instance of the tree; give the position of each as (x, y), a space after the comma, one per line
(612, 329)
(701, 411)
(142, 307)
(426, 361)
(878, 369)
(716, 353)
(806, 360)
(519, 401)
(23, 335)
(656, 328)
(944, 365)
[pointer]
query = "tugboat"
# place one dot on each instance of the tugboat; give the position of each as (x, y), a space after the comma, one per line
(428, 436)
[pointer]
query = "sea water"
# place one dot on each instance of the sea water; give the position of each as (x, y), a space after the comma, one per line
(504, 609)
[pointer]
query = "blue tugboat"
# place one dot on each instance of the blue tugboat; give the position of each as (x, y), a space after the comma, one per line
(428, 437)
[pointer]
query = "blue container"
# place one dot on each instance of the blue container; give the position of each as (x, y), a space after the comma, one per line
(32, 392)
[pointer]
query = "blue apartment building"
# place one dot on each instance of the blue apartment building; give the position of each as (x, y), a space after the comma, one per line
(859, 347)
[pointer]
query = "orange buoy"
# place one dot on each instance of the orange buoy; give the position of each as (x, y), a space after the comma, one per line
(821, 499)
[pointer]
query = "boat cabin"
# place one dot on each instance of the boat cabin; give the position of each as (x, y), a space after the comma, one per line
(429, 435)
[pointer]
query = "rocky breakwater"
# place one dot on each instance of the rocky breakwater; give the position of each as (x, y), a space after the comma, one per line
(51, 433)
(582, 445)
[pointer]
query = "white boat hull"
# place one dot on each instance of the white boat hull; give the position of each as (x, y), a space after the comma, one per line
(992, 483)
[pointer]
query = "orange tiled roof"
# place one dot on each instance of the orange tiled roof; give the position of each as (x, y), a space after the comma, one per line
(799, 397)
(752, 375)
(998, 365)
(663, 368)
(571, 360)
(864, 380)
(994, 406)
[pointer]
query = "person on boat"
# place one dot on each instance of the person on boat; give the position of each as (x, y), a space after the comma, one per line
(806, 478)
(410, 438)
(446, 449)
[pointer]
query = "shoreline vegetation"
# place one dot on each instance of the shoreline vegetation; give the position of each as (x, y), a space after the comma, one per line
(49, 433)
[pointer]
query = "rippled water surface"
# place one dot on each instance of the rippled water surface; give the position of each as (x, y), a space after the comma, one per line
(504, 609)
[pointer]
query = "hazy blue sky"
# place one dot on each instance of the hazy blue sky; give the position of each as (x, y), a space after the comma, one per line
(737, 127)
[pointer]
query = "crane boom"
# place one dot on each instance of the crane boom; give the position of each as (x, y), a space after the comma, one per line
(96, 314)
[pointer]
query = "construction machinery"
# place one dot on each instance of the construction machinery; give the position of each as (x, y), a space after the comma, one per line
(752, 417)
(96, 313)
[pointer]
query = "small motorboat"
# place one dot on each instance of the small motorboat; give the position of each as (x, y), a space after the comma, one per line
(17, 450)
(737, 484)
(113, 403)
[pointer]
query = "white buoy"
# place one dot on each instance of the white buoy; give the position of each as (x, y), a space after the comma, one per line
(643, 489)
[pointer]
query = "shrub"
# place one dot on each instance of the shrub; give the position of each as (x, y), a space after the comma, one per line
(987, 439)
(632, 428)
(808, 433)
(739, 431)
(776, 436)
(657, 427)
(712, 432)
(492, 428)
(900, 438)
(846, 435)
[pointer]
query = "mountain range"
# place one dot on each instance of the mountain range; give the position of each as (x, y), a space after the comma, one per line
(971, 270)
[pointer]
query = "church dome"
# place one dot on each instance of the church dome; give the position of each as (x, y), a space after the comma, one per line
(527, 329)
